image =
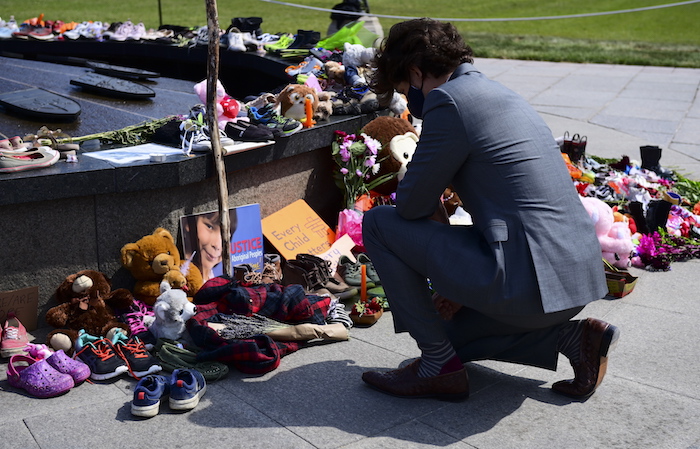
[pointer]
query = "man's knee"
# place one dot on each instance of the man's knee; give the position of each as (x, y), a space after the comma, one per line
(372, 219)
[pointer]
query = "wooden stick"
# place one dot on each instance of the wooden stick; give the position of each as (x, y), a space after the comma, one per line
(213, 123)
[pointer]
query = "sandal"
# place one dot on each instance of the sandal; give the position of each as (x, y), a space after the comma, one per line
(37, 377)
(66, 146)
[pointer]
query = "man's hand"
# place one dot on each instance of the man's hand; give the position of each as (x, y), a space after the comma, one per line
(445, 307)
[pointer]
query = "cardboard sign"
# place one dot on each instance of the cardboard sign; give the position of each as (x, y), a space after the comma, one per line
(24, 303)
(342, 247)
(297, 229)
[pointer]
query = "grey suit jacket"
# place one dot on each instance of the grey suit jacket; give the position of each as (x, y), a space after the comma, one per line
(501, 158)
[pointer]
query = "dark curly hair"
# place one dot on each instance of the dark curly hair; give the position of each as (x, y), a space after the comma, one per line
(434, 47)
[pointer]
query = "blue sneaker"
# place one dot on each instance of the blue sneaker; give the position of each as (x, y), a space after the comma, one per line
(133, 351)
(277, 124)
(186, 387)
(147, 395)
(99, 354)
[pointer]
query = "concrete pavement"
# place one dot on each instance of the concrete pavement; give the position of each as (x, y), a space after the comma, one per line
(650, 397)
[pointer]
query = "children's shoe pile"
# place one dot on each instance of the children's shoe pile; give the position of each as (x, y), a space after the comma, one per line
(296, 46)
(242, 41)
(314, 274)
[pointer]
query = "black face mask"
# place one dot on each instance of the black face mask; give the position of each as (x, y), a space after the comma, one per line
(415, 99)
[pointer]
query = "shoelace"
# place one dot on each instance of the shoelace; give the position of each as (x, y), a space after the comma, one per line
(135, 319)
(135, 322)
(11, 333)
(135, 347)
(253, 277)
(196, 135)
(100, 348)
(270, 270)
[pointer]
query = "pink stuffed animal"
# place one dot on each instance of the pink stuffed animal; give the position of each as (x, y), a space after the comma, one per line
(614, 236)
(227, 107)
(38, 352)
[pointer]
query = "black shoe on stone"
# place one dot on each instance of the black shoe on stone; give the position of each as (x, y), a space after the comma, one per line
(248, 132)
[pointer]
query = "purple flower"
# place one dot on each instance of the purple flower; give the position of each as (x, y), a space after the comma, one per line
(372, 145)
(358, 172)
(344, 153)
(344, 171)
(370, 161)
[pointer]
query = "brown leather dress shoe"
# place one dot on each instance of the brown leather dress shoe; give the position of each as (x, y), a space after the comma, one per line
(597, 340)
(404, 382)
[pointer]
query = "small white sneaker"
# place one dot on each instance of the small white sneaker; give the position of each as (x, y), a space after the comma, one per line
(235, 41)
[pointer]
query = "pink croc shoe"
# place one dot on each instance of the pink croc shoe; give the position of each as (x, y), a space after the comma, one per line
(37, 377)
(64, 364)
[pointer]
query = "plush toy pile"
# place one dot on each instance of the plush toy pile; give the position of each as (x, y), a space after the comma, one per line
(658, 211)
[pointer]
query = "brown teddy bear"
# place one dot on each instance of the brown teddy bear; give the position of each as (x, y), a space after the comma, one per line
(398, 138)
(86, 301)
(155, 258)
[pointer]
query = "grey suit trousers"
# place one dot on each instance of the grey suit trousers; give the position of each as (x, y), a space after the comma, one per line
(406, 253)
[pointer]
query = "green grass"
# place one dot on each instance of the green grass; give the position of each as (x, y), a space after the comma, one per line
(666, 36)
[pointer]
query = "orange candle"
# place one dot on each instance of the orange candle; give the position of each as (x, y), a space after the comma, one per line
(363, 288)
(309, 108)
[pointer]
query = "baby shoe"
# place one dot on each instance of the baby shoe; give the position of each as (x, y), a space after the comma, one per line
(64, 364)
(352, 272)
(14, 337)
(100, 355)
(133, 351)
(147, 395)
(37, 377)
(363, 259)
(186, 388)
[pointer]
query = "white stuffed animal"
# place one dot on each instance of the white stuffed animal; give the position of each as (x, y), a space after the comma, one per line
(354, 57)
(172, 310)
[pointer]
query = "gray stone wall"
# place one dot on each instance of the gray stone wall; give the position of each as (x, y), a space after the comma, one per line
(45, 241)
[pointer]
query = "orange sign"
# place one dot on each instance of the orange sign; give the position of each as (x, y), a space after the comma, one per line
(297, 229)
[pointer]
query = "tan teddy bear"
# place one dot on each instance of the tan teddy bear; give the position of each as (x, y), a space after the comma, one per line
(155, 258)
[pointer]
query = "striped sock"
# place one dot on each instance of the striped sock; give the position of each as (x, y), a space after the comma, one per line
(569, 342)
(434, 357)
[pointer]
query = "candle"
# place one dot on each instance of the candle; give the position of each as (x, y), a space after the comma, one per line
(363, 288)
(309, 108)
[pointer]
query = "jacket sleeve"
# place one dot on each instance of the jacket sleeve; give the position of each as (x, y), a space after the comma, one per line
(441, 151)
